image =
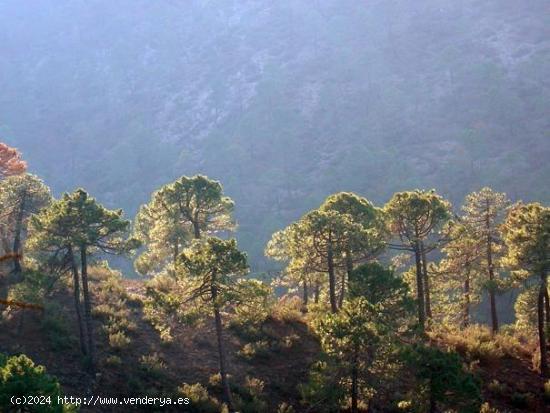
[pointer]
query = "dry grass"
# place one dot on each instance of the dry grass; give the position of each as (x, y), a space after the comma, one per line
(477, 343)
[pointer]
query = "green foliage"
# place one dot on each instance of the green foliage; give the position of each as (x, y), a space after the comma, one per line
(443, 379)
(484, 212)
(77, 219)
(211, 271)
(20, 197)
(323, 390)
(525, 309)
(177, 212)
(527, 236)
(459, 278)
(380, 286)
(19, 376)
(414, 215)
(253, 303)
(34, 288)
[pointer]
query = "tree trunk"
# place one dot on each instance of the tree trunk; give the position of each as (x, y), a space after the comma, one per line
(547, 305)
(466, 320)
(17, 238)
(176, 252)
(305, 296)
(221, 351)
(491, 272)
(331, 278)
(196, 229)
(346, 277)
(76, 295)
(419, 286)
(426, 281)
(342, 290)
(87, 306)
(541, 329)
(317, 292)
(354, 382)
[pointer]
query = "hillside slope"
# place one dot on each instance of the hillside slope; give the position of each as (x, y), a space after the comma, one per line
(149, 366)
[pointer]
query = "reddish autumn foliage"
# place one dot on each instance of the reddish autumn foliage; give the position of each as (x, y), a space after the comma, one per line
(10, 161)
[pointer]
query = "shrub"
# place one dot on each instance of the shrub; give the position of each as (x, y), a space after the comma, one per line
(289, 341)
(201, 401)
(477, 342)
(19, 376)
(119, 340)
(113, 361)
(285, 408)
(250, 396)
(257, 304)
(152, 364)
(497, 387)
(288, 309)
(248, 332)
(486, 408)
(259, 349)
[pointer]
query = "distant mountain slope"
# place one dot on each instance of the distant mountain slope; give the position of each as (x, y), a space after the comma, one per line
(284, 102)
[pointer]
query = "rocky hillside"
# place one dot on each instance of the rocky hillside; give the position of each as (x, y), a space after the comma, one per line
(284, 102)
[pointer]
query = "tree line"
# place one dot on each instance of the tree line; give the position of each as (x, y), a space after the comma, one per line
(362, 270)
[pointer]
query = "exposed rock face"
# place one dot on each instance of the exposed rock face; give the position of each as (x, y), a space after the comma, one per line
(284, 102)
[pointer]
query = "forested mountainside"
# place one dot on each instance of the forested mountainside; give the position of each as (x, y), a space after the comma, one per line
(285, 102)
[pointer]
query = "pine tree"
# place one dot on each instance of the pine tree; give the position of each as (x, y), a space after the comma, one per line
(378, 304)
(20, 197)
(458, 274)
(360, 246)
(412, 217)
(177, 213)
(78, 222)
(526, 232)
(443, 379)
(483, 214)
(211, 272)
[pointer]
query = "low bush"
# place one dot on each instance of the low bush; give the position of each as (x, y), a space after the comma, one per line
(113, 361)
(258, 349)
(152, 364)
(119, 341)
(288, 309)
(497, 387)
(200, 400)
(476, 342)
